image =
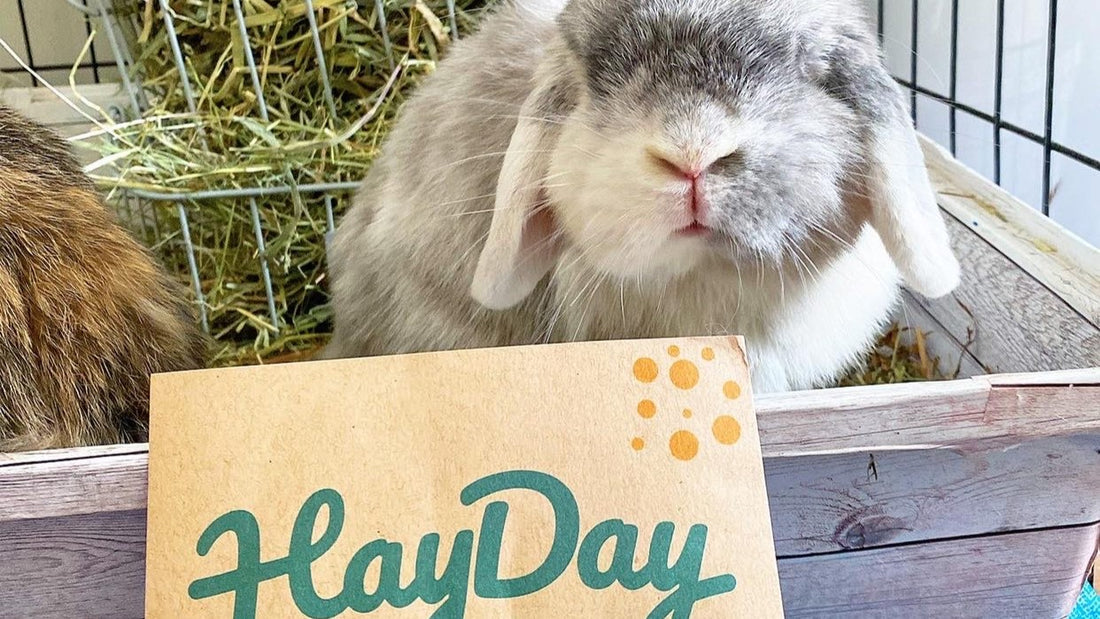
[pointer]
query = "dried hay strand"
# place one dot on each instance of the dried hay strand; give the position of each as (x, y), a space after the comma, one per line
(900, 356)
(307, 139)
(174, 152)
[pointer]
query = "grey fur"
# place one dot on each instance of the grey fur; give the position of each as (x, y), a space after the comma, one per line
(404, 258)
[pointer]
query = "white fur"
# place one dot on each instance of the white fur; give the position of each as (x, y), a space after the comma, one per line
(531, 227)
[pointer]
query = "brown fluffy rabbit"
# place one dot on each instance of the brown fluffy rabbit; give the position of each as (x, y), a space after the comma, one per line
(85, 314)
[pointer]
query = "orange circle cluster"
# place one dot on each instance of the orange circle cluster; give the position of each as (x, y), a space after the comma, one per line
(684, 375)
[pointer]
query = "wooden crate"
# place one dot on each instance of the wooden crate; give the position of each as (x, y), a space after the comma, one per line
(968, 498)
(976, 497)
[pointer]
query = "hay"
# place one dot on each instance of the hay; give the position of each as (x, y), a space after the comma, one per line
(225, 144)
(900, 356)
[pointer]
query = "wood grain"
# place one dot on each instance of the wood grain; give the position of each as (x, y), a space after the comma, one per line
(1031, 574)
(1047, 252)
(54, 455)
(1018, 324)
(55, 488)
(93, 566)
(828, 503)
(1030, 291)
(941, 343)
(79, 566)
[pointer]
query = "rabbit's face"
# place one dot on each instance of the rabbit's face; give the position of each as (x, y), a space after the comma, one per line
(762, 132)
(696, 136)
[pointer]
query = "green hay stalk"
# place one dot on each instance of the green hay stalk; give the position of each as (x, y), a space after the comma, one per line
(225, 143)
(303, 143)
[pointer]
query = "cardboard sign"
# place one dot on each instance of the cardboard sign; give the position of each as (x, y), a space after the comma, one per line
(615, 479)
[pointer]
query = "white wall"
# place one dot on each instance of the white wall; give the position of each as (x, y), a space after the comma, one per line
(57, 34)
(1075, 188)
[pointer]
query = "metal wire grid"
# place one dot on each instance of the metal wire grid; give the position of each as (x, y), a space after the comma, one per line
(95, 63)
(995, 119)
(101, 9)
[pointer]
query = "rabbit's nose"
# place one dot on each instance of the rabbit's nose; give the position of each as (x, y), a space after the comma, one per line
(693, 173)
(687, 167)
(694, 166)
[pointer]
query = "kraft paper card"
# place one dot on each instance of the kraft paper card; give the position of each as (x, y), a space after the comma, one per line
(619, 479)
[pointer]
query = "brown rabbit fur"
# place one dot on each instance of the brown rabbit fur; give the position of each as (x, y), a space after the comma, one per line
(85, 314)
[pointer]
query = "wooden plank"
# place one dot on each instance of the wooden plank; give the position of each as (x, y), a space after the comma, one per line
(907, 417)
(72, 487)
(93, 566)
(1032, 574)
(78, 566)
(941, 344)
(55, 455)
(1017, 323)
(1079, 377)
(1055, 257)
(923, 416)
(913, 416)
(828, 503)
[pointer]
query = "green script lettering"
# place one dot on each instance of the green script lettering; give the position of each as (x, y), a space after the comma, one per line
(450, 589)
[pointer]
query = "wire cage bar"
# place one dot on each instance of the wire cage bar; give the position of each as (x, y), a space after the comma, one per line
(994, 117)
(184, 202)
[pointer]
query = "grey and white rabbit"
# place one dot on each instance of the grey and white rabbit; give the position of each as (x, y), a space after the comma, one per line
(607, 169)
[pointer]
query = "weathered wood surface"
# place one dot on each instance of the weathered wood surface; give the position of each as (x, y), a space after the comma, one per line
(1029, 300)
(953, 354)
(953, 414)
(1035, 574)
(56, 488)
(93, 566)
(1018, 325)
(865, 500)
(1056, 258)
(56, 455)
(78, 566)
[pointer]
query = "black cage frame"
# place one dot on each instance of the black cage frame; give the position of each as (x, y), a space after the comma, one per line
(995, 119)
(999, 124)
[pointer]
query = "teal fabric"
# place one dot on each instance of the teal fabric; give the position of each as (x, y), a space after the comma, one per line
(1088, 606)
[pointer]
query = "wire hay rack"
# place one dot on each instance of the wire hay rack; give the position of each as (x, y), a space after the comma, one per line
(246, 128)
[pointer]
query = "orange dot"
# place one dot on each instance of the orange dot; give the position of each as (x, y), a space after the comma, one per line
(684, 445)
(708, 354)
(687, 413)
(726, 430)
(647, 409)
(674, 351)
(638, 444)
(645, 370)
(732, 390)
(684, 374)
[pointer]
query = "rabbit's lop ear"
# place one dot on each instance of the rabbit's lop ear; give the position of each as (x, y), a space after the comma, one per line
(523, 242)
(893, 177)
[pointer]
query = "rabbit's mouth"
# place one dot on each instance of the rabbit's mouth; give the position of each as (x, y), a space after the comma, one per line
(696, 229)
